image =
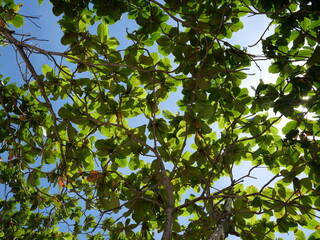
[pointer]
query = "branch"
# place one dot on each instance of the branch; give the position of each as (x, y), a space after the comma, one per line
(265, 31)
(222, 229)
(8, 35)
(169, 208)
(260, 134)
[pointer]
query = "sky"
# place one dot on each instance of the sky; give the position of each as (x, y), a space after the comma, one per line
(48, 35)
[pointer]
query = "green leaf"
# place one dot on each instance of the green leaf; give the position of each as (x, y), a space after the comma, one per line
(290, 126)
(88, 160)
(105, 147)
(46, 69)
(279, 212)
(146, 60)
(48, 157)
(105, 130)
(312, 224)
(203, 84)
(71, 132)
(306, 184)
(206, 112)
(103, 32)
(112, 202)
(112, 43)
(17, 21)
(134, 164)
(315, 58)
(89, 222)
(251, 189)
(163, 40)
(314, 236)
(240, 106)
(122, 162)
(139, 213)
(69, 38)
(33, 179)
(167, 114)
(274, 68)
(65, 113)
(236, 26)
(292, 134)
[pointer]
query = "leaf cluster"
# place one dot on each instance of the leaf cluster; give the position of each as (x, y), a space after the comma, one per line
(93, 146)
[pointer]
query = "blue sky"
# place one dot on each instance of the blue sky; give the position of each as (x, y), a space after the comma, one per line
(49, 35)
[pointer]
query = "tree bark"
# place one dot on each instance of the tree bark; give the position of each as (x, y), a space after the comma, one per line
(221, 231)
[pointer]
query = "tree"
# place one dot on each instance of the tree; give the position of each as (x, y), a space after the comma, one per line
(76, 166)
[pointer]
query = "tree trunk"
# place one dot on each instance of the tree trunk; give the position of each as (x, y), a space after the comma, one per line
(221, 231)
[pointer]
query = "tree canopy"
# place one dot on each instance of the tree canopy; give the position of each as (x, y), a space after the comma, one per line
(90, 145)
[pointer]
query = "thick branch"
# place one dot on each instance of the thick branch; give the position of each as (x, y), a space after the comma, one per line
(8, 34)
(222, 229)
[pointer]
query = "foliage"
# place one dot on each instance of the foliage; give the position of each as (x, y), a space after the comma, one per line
(90, 144)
